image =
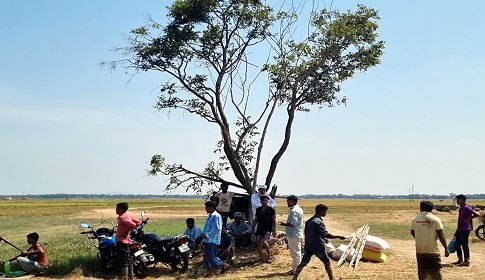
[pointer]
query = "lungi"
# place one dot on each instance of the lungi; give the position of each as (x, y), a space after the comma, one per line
(429, 266)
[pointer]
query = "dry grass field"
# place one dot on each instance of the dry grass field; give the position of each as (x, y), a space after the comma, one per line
(56, 221)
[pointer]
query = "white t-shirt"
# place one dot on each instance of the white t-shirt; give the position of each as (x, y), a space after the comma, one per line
(256, 202)
(425, 226)
(225, 200)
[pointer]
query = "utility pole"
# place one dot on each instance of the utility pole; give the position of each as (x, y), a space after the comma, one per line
(413, 193)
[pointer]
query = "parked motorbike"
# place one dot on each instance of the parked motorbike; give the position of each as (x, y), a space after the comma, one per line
(107, 254)
(173, 251)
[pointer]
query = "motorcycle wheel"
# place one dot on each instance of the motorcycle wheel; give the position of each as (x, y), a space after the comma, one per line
(181, 263)
(140, 269)
(480, 232)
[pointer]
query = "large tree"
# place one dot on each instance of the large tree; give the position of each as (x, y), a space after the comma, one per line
(207, 52)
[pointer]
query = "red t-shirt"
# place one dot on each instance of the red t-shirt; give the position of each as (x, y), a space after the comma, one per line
(37, 253)
(126, 223)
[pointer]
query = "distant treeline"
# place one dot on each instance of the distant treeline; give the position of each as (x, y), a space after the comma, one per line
(179, 196)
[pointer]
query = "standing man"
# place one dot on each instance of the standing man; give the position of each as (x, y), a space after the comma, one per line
(224, 201)
(315, 235)
(212, 238)
(427, 229)
(126, 224)
(256, 199)
(294, 231)
(465, 225)
(265, 220)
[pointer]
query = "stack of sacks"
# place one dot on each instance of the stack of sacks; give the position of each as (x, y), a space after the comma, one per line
(340, 251)
(329, 248)
(375, 249)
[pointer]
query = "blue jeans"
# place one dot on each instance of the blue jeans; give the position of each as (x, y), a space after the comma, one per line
(224, 216)
(211, 261)
(29, 265)
(461, 244)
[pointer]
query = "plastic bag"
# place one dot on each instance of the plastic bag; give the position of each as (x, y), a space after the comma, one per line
(451, 246)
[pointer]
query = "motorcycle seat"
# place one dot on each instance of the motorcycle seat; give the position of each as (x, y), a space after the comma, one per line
(154, 239)
(166, 240)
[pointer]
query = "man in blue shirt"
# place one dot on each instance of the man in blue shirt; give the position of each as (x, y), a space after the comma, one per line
(212, 238)
(315, 235)
(193, 232)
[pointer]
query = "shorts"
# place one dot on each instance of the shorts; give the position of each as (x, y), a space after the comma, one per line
(322, 255)
(266, 236)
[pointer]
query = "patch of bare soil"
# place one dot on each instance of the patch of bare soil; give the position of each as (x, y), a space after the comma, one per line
(109, 213)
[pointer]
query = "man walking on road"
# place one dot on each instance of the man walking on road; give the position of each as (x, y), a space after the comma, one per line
(294, 231)
(427, 229)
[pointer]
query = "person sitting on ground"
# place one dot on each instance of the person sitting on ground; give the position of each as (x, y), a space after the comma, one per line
(35, 258)
(193, 232)
(227, 250)
(241, 230)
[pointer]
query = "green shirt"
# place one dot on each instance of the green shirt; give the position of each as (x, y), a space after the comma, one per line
(226, 240)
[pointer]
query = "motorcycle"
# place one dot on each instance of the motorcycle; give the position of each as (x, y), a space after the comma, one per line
(173, 251)
(107, 254)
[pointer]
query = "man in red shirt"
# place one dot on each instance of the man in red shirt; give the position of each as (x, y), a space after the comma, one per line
(126, 224)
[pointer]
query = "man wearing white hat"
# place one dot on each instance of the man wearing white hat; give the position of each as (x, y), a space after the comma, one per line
(256, 199)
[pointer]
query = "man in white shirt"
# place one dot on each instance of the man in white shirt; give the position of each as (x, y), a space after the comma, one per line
(256, 199)
(224, 201)
(294, 231)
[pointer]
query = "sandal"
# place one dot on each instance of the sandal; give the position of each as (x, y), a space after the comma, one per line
(289, 273)
(458, 262)
(465, 263)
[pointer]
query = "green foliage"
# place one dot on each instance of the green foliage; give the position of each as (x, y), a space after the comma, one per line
(310, 72)
(206, 50)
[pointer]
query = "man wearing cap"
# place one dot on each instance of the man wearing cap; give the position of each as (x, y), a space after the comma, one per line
(256, 199)
(465, 225)
(294, 231)
(240, 229)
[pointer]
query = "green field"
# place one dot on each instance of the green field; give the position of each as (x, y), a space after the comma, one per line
(70, 253)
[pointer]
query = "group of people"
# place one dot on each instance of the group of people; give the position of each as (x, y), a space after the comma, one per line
(427, 229)
(217, 246)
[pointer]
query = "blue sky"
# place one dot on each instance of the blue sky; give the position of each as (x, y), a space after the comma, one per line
(68, 125)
